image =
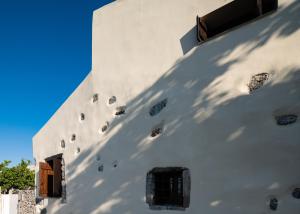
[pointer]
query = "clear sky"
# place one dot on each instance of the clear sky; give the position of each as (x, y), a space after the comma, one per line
(45, 52)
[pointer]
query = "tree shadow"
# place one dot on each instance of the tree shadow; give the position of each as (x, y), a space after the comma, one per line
(209, 118)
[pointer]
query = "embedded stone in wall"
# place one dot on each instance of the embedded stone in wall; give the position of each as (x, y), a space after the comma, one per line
(95, 98)
(157, 130)
(273, 204)
(77, 150)
(115, 163)
(287, 119)
(26, 204)
(112, 100)
(257, 81)
(296, 193)
(73, 137)
(101, 168)
(105, 127)
(158, 107)
(120, 110)
(82, 117)
(62, 144)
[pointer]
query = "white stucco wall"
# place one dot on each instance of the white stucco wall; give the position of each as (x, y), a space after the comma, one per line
(145, 51)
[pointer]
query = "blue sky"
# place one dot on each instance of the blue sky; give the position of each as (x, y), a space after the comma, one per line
(45, 52)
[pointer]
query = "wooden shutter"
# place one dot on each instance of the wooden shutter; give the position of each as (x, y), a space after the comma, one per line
(45, 170)
(202, 30)
(231, 15)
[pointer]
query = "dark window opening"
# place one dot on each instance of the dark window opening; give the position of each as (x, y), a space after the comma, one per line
(231, 15)
(168, 188)
(50, 177)
(50, 185)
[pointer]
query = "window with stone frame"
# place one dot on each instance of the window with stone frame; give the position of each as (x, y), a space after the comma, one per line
(168, 188)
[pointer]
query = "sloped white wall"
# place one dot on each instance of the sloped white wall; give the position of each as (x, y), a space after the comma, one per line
(145, 51)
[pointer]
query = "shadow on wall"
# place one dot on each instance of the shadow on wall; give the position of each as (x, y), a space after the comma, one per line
(195, 106)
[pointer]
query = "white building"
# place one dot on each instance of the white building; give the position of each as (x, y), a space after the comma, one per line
(168, 124)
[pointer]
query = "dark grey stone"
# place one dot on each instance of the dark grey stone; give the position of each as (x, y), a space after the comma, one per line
(273, 204)
(158, 107)
(120, 110)
(296, 193)
(95, 98)
(287, 119)
(112, 100)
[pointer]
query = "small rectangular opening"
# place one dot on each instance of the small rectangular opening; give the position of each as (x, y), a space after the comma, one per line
(231, 15)
(168, 188)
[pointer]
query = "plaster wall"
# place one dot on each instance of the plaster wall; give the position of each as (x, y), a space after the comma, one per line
(146, 51)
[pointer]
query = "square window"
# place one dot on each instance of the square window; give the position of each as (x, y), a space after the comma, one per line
(168, 188)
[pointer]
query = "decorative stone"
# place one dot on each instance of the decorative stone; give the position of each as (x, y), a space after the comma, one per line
(120, 110)
(95, 98)
(296, 193)
(101, 168)
(115, 163)
(112, 100)
(73, 137)
(105, 127)
(257, 81)
(62, 144)
(158, 107)
(273, 204)
(82, 117)
(286, 119)
(157, 130)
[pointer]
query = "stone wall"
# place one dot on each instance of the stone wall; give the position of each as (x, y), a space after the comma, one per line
(26, 202)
